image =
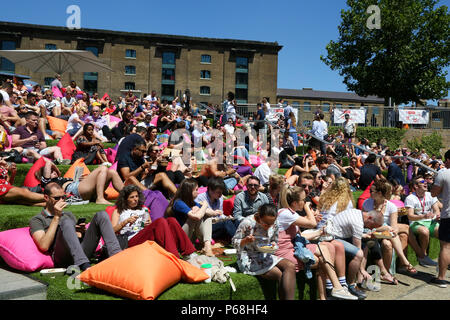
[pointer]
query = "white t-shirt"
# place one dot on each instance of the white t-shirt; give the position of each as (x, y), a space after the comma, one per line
(348, 224)
(286, 217)
(71, 123)
(68, 103)
(349, 127)
(331, 212)
(263, 173)
(132, 230)
(421, 206)
(368, 205)
(5, 95)
(49, 105)
(443, 180)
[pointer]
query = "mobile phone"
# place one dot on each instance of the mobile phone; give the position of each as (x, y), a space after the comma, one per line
(81, 220)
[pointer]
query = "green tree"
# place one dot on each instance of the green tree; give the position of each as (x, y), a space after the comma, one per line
(404, 59)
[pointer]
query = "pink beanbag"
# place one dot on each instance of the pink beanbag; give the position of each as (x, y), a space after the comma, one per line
(398, 203)
(202, 190)
(20, 252)
(255, 160)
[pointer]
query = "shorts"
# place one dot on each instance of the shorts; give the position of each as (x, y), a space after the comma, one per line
(43, 152)
(73, 189)
(444, 230)
(430, 225)
(350, 250)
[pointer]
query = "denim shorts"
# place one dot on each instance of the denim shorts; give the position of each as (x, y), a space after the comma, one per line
(73, 189)
(350, 250)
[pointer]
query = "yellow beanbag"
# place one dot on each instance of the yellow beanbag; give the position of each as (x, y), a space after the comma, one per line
(57, 124)
(141, 272)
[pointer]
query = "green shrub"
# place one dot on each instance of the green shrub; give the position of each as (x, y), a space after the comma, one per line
(432, 143)
(392, 136)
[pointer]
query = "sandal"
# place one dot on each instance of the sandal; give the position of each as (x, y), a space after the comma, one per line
(390, 279)
(409, 269)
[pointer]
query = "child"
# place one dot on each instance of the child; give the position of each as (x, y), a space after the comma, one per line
(251, 261)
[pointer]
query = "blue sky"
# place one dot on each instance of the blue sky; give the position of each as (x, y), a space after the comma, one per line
(302, 27)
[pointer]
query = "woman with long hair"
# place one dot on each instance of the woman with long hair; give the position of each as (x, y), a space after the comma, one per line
(380, 193)
(131, 219)
(292, 128)
(195, 218)
(90, 147)
(290, 222)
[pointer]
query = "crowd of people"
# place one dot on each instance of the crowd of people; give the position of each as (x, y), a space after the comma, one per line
(170, 150)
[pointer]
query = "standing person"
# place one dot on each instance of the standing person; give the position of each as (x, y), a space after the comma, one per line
(55, 231)
(441, 189)
(57, 82)
(187, 100)
(320, 130)
(229, 108)
(292, 128)
(349, 129)
(253, 262)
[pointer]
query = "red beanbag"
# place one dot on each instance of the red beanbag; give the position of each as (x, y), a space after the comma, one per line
(30, 179)
(67, 146)
(365, 195)
(228, 206)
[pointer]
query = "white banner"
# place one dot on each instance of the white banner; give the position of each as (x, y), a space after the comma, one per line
(275, 113)
(356, 115)
(414, 116)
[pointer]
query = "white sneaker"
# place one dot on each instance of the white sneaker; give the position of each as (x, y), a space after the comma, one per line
(427, 261)
(108, 164)
(343, 294)
(74, 200)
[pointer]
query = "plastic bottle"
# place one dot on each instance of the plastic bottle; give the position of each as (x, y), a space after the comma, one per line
(207, 267)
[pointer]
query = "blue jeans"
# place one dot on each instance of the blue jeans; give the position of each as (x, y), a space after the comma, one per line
(350, 250)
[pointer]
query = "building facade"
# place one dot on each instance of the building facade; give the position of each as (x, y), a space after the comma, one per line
(143, 62)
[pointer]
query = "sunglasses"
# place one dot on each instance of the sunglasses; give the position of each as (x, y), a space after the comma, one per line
(64, 197)
(252, 185)
(422, 181)
(374, 191)
(304, 186)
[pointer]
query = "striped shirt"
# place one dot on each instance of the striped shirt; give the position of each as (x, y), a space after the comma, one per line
(347, 224)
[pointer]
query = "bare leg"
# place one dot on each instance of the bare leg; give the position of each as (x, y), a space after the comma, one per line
(444, 259)
(412, 240)
(162, 178)
(326, 267)
(134, 181)
(94, 183)
(22, 196)
(339, 260)
(284, 273)
(424, 240)
(113, 176)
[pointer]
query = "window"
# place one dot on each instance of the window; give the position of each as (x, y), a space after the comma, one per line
(326, 107)
(307, 106)
(167, 92)
(5, 64)
(204, 90)
(205, 74)
(376, 110)
(168, 74)
(206, 58)
(241, 96)
(295, 104)
(241, 78)
(50, 46)
(338, 105)
(168, 57)
(130, 86)
(91, 78)
(130, 70)
(436, 116)
(130, 53)
(241, 63)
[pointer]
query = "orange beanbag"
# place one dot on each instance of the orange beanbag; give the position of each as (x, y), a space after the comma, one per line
(79, 163)
(57, 124)
(289, 172)
(30, 179)
(67, 146)
(111, 193)
(141, 272)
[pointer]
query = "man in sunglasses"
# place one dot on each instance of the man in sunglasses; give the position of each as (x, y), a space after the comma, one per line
(441, 189)
(49, 106)
(423, 215)
(248, 202)
(56, 231)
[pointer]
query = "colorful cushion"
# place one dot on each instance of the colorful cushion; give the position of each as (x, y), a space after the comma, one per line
(79, 163)
(141, 272)
(111, 193)
(289, 173)
(19, 251)
(30, 179)
(57, 124)
(228, 206)
(364, 196)
(67, 146)
(255, 160)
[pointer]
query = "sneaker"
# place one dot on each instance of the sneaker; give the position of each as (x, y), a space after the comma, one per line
(343, 294)
(427, 261)
(356, 292)
(439, 283)
(108, 164)
(64, 161)
(74, 200)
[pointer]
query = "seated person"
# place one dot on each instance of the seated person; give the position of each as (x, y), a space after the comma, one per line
(195, 218)
(423, 215)
(124, 127)
(91, 187)
(133, 169)
(90, 147)
(223, 227)
(132, 220)
(49, 106)
(31, 142)
(55, 231)
(10, 194)
(75, 124)
(247, 202)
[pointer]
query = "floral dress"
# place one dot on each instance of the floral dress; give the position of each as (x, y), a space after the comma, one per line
(88, 153)
(4, 184)
(249, 259)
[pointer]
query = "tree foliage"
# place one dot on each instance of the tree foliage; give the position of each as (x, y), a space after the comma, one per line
(405, 59)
